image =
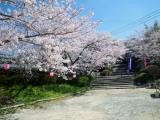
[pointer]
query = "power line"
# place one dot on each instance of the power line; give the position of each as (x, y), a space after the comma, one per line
(139, 21)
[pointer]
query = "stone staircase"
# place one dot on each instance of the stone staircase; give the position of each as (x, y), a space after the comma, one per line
(113, 82)
(120, 79)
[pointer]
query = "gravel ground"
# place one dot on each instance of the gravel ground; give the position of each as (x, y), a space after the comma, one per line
(135, 104)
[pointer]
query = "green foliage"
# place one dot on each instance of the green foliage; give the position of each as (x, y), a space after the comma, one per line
(32, 93)
(148, 75)
(83, 81)
(40, 86)
(39, 78)
(143, 78)
(153, 70)
(106, 72)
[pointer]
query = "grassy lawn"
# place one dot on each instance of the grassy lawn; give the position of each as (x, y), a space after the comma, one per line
(47, 88)
(33, 93)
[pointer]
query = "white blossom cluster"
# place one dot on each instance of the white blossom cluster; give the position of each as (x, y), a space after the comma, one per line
(148, 44)
(52, 35)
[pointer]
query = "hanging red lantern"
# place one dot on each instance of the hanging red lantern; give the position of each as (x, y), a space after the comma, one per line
(51, 74)
(6, 66)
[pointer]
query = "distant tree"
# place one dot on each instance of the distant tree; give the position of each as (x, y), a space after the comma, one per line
(148, 44)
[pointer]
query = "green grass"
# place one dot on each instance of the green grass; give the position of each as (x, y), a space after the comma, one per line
(33, 93)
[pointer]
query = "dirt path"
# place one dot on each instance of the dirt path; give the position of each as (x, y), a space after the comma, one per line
(133, 104)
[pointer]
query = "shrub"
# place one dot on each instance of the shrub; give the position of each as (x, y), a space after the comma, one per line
(106, 72)
(148, 75)
(39, 78)
(153, 70)
(143, 78)
(83, 81)
(10, 80)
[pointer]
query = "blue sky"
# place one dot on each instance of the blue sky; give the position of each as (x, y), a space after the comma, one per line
(117, 13)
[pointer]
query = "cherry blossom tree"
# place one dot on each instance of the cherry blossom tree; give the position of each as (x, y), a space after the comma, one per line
(53, 36)
(98, 49)
(147, 44)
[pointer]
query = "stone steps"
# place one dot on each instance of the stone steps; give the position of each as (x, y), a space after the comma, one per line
(113, 79)
(119, 79)
(112, 87)
(113, 82)
(115, 76)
